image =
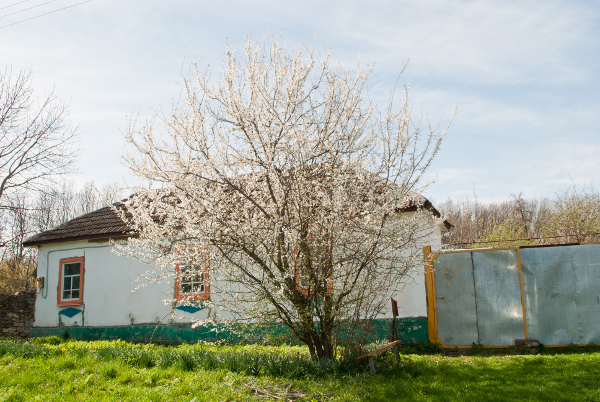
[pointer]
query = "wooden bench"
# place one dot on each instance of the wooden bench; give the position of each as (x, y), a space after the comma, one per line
(395, 345)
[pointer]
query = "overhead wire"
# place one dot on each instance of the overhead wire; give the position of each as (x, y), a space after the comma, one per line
(29, 8)
(41, 15)
(14, 4)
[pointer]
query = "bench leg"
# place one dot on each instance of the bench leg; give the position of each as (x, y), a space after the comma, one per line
(372, 365)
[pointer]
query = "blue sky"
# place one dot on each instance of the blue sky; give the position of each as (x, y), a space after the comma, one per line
(525, 75)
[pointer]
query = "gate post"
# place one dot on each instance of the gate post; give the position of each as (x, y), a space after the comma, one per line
(430, 295)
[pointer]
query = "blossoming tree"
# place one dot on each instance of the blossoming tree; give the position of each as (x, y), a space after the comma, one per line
(281, 184)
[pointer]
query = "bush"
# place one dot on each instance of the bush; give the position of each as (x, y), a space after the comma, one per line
(27, 350)
(49, 340)
(422, 348)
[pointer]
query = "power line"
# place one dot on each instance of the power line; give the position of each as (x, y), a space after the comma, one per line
(25, 9)
(24, 1)
(41, 15)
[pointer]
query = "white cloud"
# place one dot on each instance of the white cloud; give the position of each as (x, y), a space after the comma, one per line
(475, 41)
(524, 75)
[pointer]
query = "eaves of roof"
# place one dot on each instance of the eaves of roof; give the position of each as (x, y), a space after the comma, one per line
(102, 223)
(428, 206)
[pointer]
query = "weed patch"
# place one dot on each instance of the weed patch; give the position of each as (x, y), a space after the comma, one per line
(89, 371)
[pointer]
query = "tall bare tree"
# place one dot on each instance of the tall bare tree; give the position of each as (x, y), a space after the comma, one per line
(286, 177)
(37, 141)
(37, 144)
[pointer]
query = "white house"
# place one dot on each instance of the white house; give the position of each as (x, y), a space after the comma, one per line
(86, 290)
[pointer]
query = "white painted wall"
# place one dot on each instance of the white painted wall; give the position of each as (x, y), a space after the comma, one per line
(109, 279)
(412, 299)
(108, 282)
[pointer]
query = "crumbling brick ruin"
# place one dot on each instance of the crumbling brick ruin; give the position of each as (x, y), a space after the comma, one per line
(17, 314)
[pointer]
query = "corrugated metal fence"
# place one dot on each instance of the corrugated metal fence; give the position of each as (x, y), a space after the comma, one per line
(493, 296)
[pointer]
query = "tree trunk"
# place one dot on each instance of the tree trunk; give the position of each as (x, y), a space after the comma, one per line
(319, 342)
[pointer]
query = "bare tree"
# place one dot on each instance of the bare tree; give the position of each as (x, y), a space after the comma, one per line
(493, 224)
(45, 207)
(25, 213)
(17, 263)
(286, 177)
(37, 141)
(109, 194)
(64, 201)
(574, 217)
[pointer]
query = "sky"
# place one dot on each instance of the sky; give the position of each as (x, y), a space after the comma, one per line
(524, 75)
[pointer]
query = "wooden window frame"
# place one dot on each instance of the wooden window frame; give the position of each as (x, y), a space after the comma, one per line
(192, 296)
(76, 302)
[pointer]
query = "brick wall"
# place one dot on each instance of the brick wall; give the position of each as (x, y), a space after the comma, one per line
(17, 314)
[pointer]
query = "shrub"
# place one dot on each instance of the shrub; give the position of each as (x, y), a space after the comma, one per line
(49, 340)
(422, 348)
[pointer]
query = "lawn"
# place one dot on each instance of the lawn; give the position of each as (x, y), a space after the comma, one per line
(53, 370)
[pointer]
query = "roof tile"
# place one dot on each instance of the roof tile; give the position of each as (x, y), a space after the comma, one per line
(104, 222)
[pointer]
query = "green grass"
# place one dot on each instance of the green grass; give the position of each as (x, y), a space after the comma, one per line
(53, 370)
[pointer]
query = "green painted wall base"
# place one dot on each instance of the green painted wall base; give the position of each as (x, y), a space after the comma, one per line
(410, 330)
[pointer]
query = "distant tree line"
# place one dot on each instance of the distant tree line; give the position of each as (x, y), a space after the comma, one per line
(572, 216)
(26, 213)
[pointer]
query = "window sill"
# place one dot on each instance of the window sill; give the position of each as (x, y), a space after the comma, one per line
(192, 297)
(70, 303)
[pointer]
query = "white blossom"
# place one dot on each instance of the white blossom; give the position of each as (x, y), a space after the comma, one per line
(291, 181)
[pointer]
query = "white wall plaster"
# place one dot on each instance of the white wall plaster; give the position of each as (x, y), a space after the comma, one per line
(108, 282)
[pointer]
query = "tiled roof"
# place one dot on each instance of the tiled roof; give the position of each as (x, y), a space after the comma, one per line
(102, 223)
(105, 223)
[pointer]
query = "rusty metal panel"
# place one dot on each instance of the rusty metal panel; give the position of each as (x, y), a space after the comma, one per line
(498, 297)
(455, 299)
(562, 293)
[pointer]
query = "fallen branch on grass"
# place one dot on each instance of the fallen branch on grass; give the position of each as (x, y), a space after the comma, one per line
(281, 392)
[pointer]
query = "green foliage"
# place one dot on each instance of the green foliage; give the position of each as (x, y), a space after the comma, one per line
(90, 371)
(572, 217)
(49, 340)
(15, 274)
(422, 348)
(283, 361)
(575, 215)
(507, 233)
(109, 372)
(477, 350)
(251, 363)
(27, 350)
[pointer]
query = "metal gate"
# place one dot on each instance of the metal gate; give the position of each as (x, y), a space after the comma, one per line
(491, 297)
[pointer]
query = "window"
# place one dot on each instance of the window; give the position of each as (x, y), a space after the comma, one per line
(191, 282)
(70, 285)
